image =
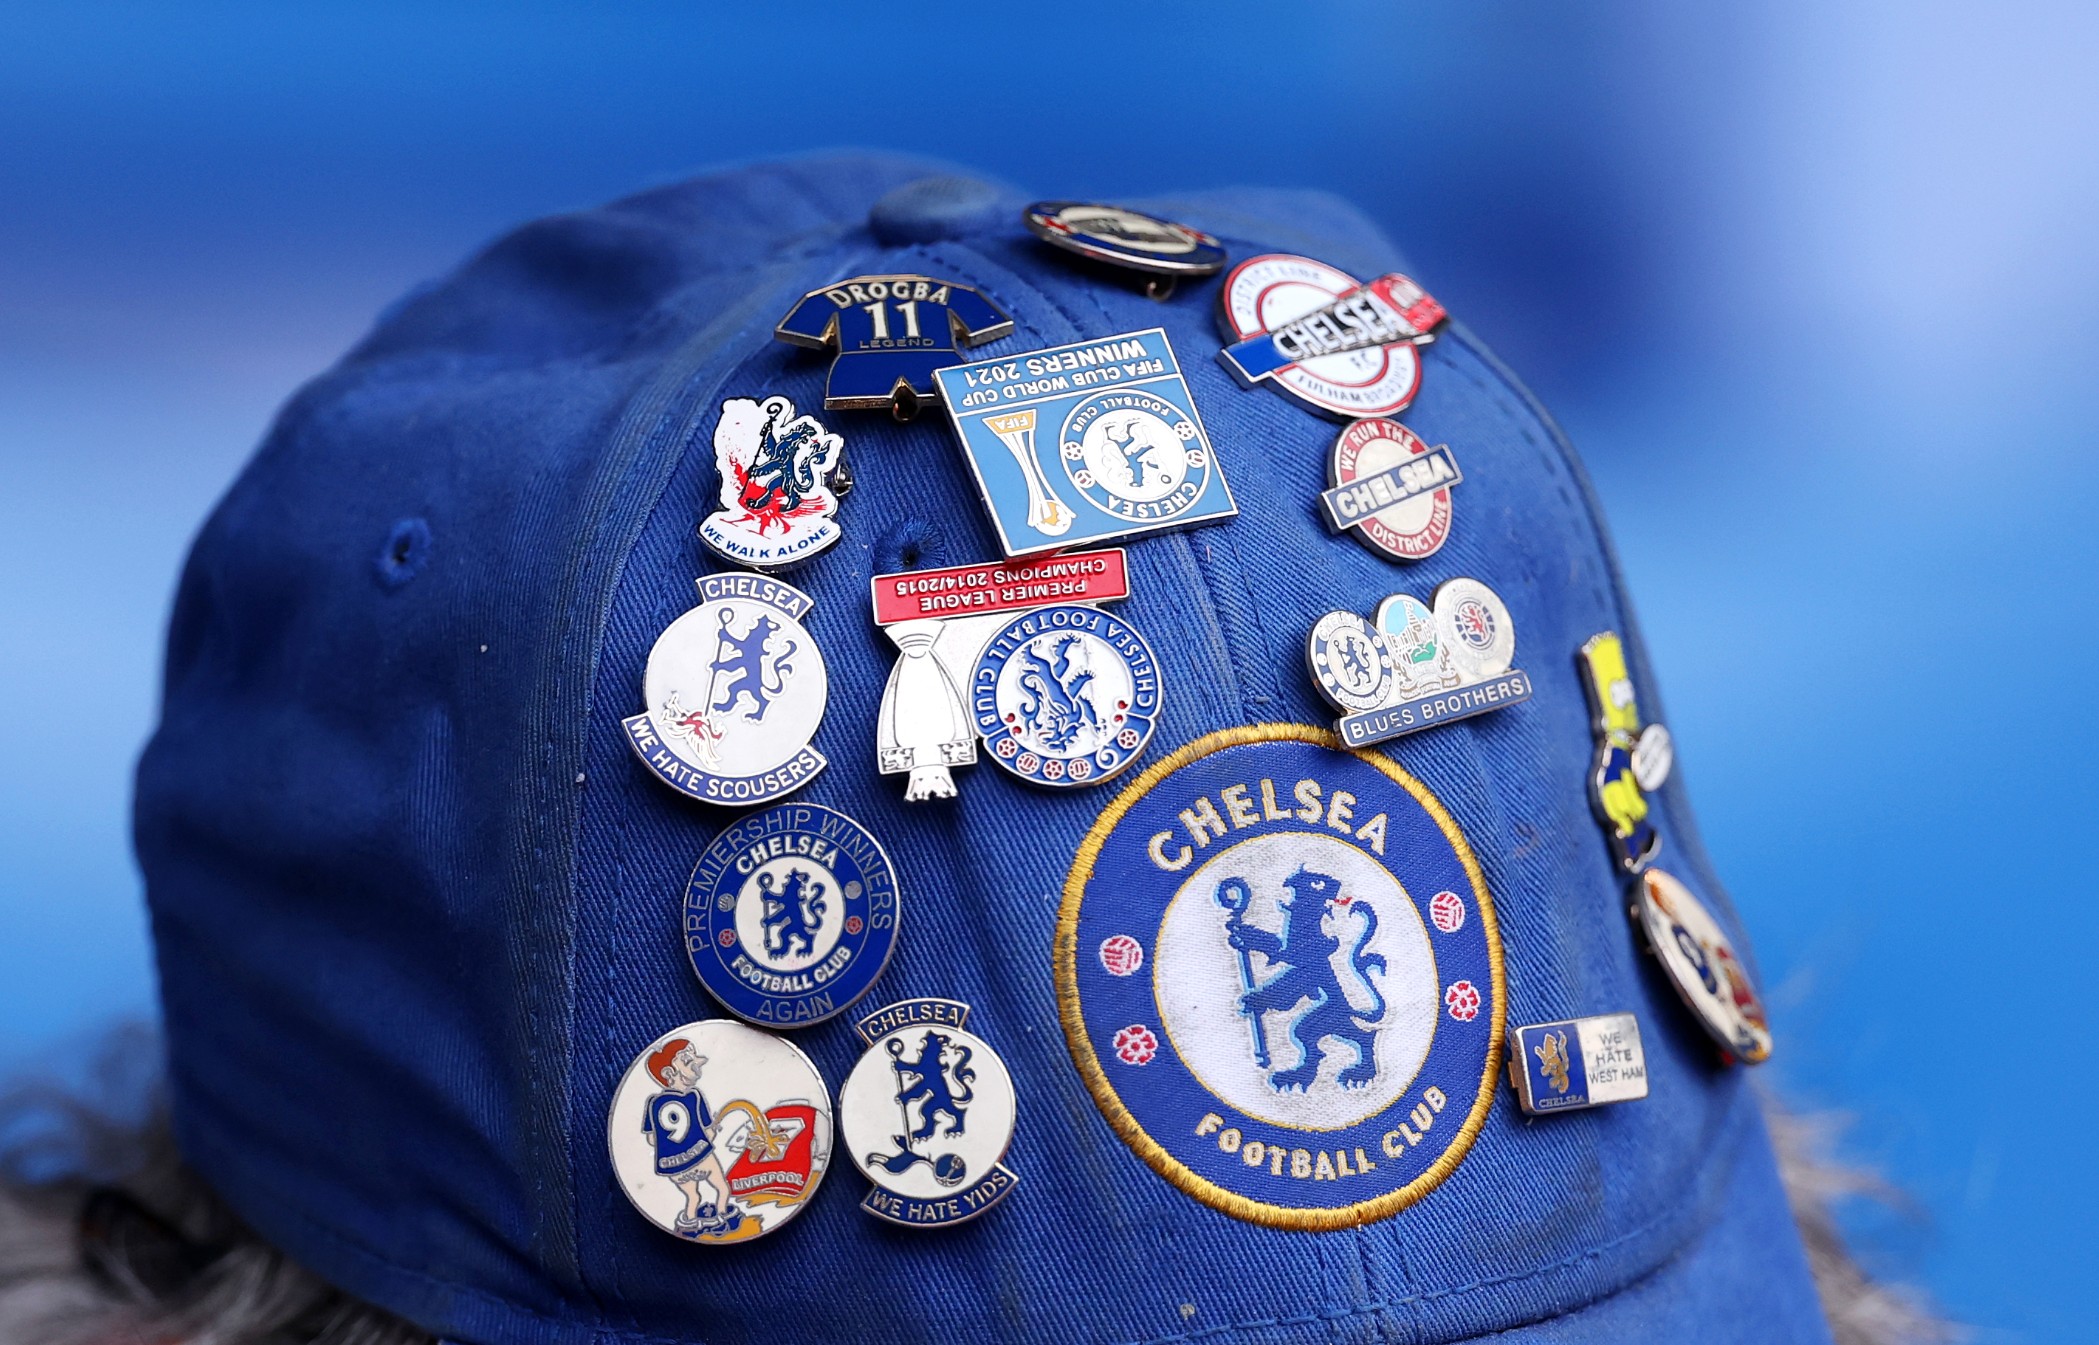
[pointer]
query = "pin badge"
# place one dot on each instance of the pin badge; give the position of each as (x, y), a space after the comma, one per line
(887, 335)
(1631, 760)
(735, 689)
(1389, 490)
(781, 475)
(1065, 696)
(1693, 950)
(1087, 442)
(1413, 667)
(791, 914)
(1324, 339)
(1583, 1062)
(940, 620)
(1159, 248)
(718, 1132)
(927, 1114)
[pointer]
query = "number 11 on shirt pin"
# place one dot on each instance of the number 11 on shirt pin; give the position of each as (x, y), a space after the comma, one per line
(887, 334)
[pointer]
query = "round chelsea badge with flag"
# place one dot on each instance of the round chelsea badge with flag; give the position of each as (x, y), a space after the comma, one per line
(1317, 1041)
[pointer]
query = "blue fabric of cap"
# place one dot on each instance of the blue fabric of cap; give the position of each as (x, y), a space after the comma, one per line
(415, 903)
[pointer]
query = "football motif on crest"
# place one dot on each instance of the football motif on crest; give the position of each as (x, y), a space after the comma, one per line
(1447, 910)
(1121, 954)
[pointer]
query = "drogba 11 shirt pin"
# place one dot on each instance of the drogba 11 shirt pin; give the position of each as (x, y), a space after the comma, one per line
(1324, 339)
(887, 334)
(1087, 442)
(1414, 667)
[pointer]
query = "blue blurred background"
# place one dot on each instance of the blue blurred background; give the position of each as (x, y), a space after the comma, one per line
(1814, 288)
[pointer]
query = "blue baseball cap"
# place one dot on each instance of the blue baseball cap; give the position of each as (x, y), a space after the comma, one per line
(416, 903)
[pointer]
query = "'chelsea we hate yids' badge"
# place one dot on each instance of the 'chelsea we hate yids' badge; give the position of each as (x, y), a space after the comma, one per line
(791, 914)
(1279, 974)
(1086, 443)
(735, 689)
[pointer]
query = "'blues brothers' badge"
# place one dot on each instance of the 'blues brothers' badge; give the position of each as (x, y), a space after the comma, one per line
(1413, 667)
(927, 1115)
(779, 503)
(1586, 1062)
(1700, 962)
(735, 689)
(1315, 1037)
(1086, 443)
(791, 914)
(889, 333)
(1324, 339)
(1630, 759)
(1065, 695)
(1390, 490)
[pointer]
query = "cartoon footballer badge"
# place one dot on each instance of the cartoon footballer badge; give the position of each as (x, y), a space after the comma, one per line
(1702, 965)
(735, 689)
(791, 914)
(927, 1114)
(781, 476)
(1631, 760)
(1279, 974)
(719, 1132)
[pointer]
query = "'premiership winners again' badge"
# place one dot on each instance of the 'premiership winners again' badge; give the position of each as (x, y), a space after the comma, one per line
(1280, 976)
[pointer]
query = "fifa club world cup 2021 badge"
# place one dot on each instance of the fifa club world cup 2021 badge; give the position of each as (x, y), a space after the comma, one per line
(1159, 249)
(735, 689)
(719, 1132)
(1389, 490)
(1065, 696)
(940, 620)
(927, 1114)
(1279, 973)
(1701, 963)
(1086, 443)
(887, 334)
(1413, 667)
(1632, 760)
(1324, 339)
(791, 914)
(781, 475)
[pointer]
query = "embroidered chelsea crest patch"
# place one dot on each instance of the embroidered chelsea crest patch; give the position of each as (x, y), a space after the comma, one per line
(1280, 975)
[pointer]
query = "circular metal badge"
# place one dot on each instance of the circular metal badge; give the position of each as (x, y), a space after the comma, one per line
(719, 1132)
(1135, 455)
(1474, 624)
(1702, 965)
(1318, 1042)
(1416, 524)
(791, 915)
(1065, 695)
(1123, 237)
(1262, 293)
(927, 1114)
(735, 689)
(1351, 666)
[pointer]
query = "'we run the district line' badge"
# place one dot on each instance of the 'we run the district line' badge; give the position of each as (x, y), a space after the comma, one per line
(1279, 973)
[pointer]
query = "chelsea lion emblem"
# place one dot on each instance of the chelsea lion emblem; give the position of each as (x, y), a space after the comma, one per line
(1280, 975)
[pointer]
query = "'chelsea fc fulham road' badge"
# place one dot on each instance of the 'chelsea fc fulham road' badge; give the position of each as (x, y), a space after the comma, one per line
(1066, 695)
(1630, 760)
(1156, 247)
(735, 689)
(779, 500)
(1413, 667)
(1315, 1036)
(719, 1132)
(1324, 339)
(1701, 964)
(1086, 443)
(1390, 490)
(791, 914)
(927, 1115)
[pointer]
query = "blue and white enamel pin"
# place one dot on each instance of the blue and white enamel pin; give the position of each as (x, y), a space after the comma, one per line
(791, 914)
(887, 335)
(1577, 1064)
(1159, 249)
(781, 476)
(927, 1114)
(1413, 667)
(1066, 695)
(734, 691)
(1280, 976)
(1085, 443)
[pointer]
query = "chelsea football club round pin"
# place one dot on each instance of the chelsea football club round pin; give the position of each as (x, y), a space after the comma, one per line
(1389, 490)
(781, 476)
(719, 1132)
(791, 915)
(1701, 964)
(1127, 238)
(1065, 695)
(735, 689)
(1324, 339)
(1318, 1039)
